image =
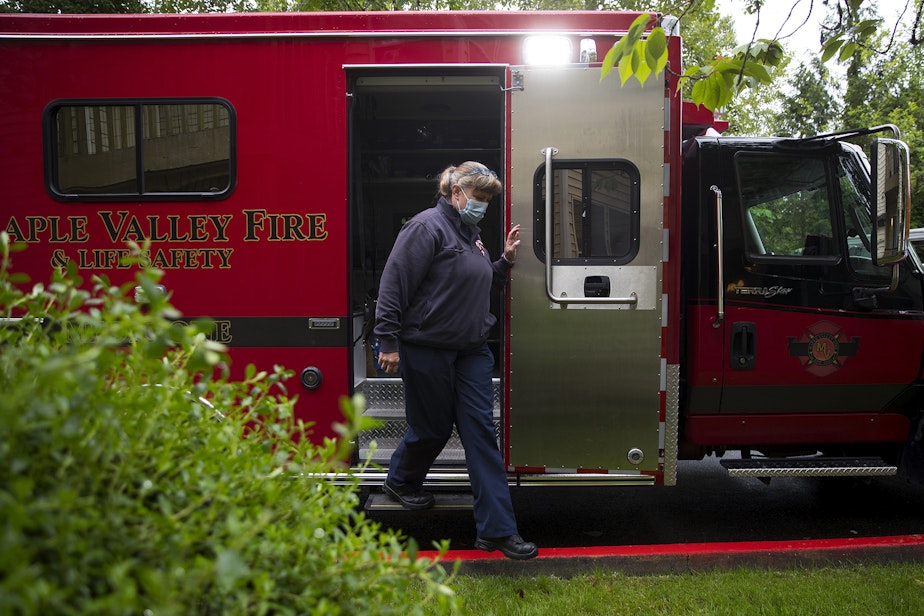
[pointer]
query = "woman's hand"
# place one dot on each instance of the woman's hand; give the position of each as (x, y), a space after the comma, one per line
(389, 362)
(512, 245)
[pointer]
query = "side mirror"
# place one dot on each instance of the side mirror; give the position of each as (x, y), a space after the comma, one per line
(891, 212)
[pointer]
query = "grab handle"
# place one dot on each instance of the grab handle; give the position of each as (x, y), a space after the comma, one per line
(720, 252)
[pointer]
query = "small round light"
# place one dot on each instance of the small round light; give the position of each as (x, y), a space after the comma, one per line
(635, 456)
(311, 378)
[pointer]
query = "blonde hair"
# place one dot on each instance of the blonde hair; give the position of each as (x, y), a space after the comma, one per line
(470, 174)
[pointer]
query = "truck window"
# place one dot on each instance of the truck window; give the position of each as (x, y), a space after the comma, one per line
(595, 210)
(787, 206)
(853, 181)
(129, 150)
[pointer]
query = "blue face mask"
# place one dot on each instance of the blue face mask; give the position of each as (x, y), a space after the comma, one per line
(473, 211)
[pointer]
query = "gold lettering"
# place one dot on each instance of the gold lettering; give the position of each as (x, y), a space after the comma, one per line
(293, 223)
(78, 228)
(191, 258)
(48, 228)
(103, 258)
(221, 225)
(113, 230)
(197, 228)
(175, 230)
(133, 231)
(35, 224)
(222, 332)
(59, 259)
(13, 230)
(123, 226)
(284, 227)
(153, 223)
(254, 222)
(316, 229)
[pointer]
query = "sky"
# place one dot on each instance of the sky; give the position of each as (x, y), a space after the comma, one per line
(776, 15)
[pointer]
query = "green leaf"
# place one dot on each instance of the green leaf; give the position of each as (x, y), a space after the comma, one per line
(656, 51)
(712, 92)
(637, 29)
(697, 94)
(625, 68)
(642, 70)
(830, 48)
(613, 57)
(758, 71)
(847, 51)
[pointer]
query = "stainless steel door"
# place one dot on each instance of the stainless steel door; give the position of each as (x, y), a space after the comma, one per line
(587, 182)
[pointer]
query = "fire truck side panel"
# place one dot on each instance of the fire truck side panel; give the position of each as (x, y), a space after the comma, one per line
(268, 262)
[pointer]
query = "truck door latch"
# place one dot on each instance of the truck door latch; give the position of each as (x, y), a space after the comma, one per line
(743, 346)
(597, 286)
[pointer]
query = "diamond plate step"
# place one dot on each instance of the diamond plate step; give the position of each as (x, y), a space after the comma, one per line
(385, 403)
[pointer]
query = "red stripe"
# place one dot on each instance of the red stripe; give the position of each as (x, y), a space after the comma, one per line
(698, 548)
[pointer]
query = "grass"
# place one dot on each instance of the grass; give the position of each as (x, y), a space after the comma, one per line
(837, 591)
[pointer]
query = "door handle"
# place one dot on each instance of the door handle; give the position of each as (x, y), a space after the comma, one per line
(720, 255)
(743, 354)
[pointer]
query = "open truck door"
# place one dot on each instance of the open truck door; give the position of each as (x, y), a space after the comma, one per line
(587, 184)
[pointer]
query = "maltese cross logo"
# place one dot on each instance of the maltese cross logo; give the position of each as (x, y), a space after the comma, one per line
(823, 348)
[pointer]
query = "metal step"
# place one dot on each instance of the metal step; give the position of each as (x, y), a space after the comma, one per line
(815, 466)
(453, 453)
(445, 501)
(385, 403)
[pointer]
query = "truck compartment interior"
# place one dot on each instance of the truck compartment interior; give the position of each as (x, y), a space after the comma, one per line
(406, 127)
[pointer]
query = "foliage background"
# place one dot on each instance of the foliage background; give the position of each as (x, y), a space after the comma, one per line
(125, 489)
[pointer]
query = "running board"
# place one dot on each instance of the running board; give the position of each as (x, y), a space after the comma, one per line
(445, 501)
(459, 480)
(808, 467)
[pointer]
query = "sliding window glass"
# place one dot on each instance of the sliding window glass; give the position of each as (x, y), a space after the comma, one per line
(594, 211)
(140, 149)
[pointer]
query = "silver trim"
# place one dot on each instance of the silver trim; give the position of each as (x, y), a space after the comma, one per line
(720, 256)
(371, 478)
(846, 471)
(671, 424)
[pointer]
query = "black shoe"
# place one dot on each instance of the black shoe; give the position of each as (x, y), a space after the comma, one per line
(513, 547)
(410, 499)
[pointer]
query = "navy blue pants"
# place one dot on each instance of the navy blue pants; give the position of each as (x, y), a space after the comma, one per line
(442, 388)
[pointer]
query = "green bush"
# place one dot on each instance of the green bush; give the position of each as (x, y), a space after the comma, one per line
(136, 479)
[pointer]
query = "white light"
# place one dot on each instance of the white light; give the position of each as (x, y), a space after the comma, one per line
(547, 49)
(588, 50)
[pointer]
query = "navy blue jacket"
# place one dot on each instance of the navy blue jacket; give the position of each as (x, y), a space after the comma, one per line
(436, 287)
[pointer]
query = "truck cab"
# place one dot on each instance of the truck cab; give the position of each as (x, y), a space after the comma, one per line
(799, 337)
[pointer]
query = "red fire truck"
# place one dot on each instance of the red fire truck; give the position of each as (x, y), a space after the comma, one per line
(678, 293)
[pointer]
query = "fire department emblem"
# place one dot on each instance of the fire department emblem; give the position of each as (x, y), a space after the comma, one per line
(823, 348)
